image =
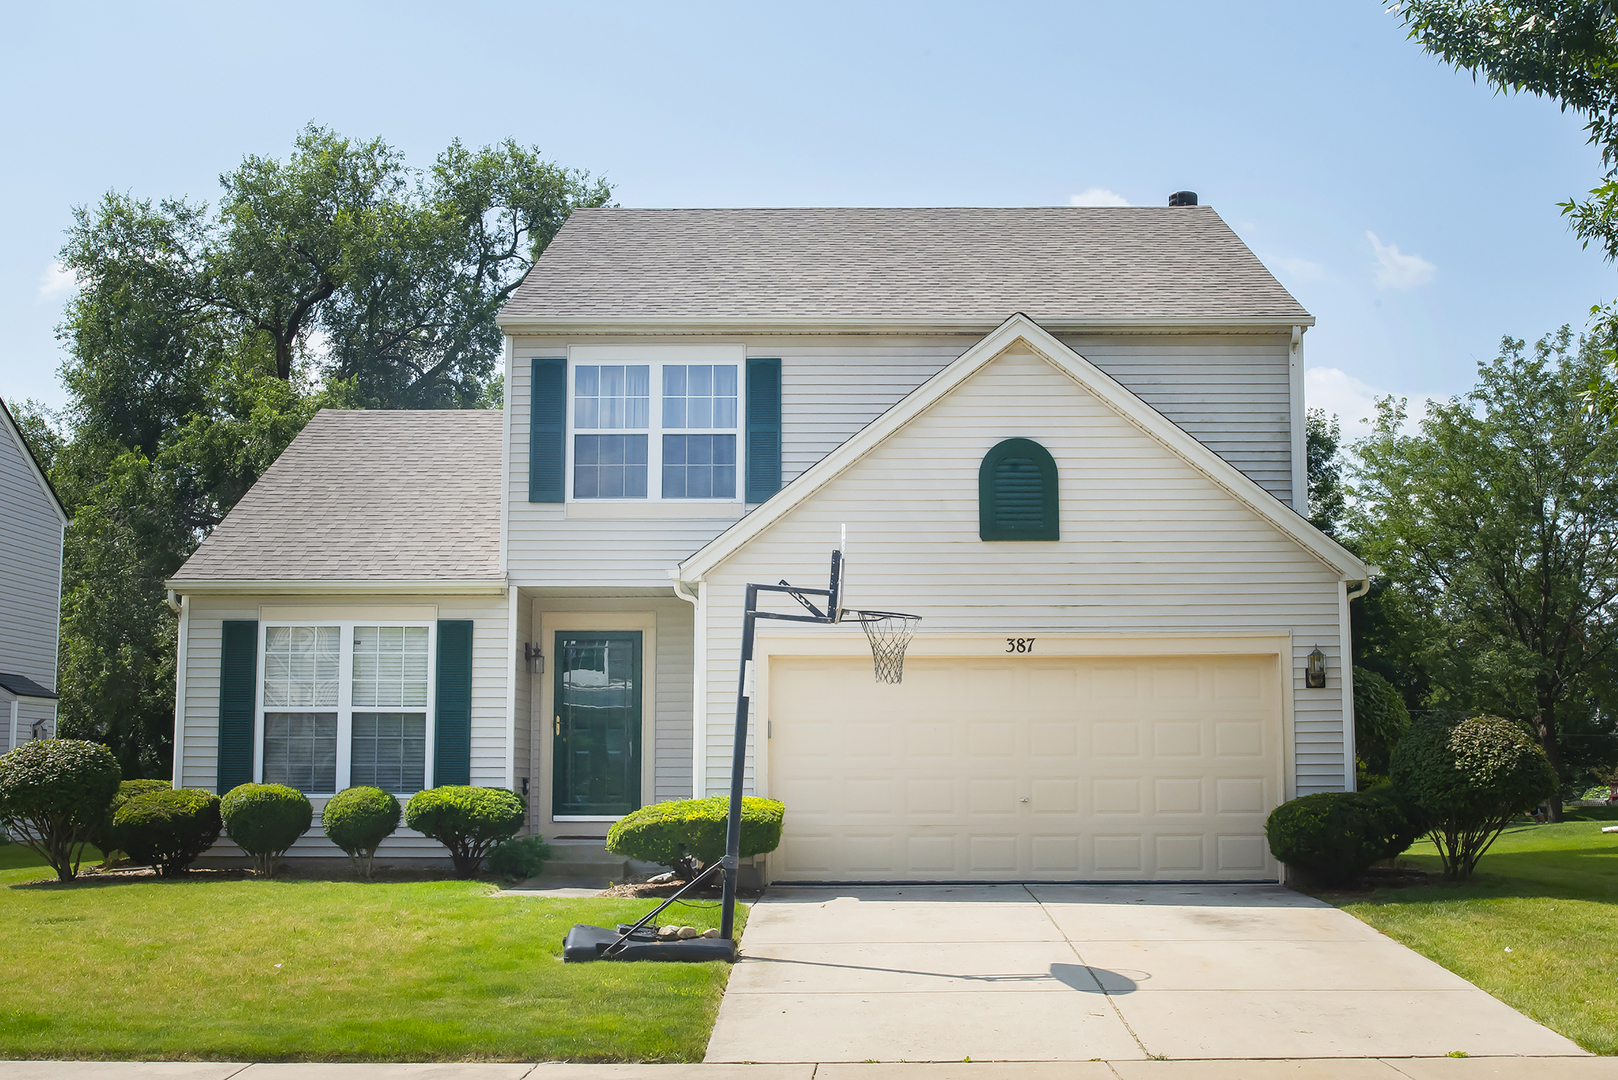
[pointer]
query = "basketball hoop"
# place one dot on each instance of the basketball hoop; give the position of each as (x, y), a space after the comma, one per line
(889, 633)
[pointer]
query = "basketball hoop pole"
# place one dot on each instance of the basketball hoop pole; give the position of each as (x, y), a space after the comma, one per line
(738, 754)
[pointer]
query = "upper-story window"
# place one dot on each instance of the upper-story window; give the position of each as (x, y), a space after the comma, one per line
(656, 430)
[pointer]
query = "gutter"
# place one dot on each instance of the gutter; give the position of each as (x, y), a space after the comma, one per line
(1357, 589)
(722, 324)
(434, 587)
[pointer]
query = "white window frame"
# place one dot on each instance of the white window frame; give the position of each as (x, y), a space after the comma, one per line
(656, 357)
(345, 698)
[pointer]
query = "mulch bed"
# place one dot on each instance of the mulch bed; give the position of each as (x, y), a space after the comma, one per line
(634, 890)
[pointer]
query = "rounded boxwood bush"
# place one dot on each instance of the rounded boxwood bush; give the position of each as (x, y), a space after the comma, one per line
(685, 832)
(168, 829)
(106, 837)
(54, 795)
(467, 820)
(265, 820)
(519, 859)
(1335, 836)
(1469, 778)
(358, 819)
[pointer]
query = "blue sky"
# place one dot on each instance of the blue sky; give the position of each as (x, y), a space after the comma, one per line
(1411, 210)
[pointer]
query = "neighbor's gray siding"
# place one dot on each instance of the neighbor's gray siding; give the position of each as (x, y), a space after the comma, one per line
(199, 723)
(1229, 391)
(1149, 544)
(30, 568)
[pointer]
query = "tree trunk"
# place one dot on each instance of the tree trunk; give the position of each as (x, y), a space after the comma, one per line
(283, 358)
(1545, 727)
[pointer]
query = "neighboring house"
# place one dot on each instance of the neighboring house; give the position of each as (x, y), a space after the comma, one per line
(1119, 606)
(31, 525)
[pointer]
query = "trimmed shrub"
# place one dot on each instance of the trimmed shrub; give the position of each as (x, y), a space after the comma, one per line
(1334, 836)
(1380, 720)
(1394, 819)
(358, 819)
(1468, 779)
(467, 820)
(519, 859)
(106, 837)
(688, 832)
(54, 795)
(168, 829)
(265, 820)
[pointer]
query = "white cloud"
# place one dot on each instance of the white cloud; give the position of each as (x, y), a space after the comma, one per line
(1097, 196)
(1396, 270)
(1353, 401)
(56, 282)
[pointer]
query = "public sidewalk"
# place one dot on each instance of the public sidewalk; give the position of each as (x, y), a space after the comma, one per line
(1480, 1068)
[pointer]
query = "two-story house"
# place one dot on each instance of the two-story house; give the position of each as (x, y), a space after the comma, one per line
(1071, 439)
(32, 523)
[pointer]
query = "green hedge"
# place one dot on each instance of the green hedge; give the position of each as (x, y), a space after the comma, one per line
(358, 819)
(106, 837)
(467, 820)
(54, 795)
(681, 833)
(1335, 836)
(265, 820)
(519, 859)
(168, 829)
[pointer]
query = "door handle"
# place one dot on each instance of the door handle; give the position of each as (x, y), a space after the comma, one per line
(558, 726)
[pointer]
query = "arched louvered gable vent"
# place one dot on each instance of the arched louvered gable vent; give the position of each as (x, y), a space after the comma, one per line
(1017, 493)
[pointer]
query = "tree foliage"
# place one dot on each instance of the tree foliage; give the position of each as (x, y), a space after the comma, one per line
(1497, 523)
(1380, 720)
(54, 795)
(1468, 779)
(200, 339)
(1327, 503)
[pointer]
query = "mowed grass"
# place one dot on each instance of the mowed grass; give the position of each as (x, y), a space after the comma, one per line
(285, 970)
(1537, 926)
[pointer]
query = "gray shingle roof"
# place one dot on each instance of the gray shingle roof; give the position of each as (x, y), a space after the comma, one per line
(1050, 263)
(368, 496)
(23, 686)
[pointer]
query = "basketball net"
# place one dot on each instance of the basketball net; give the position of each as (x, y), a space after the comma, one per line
(889, 634)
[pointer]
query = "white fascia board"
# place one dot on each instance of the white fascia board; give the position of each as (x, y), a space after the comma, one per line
(32, 463)
(817, 324)
(474, 586)
(1087, 375)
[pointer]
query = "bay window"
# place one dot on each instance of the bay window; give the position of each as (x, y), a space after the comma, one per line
(344, 705)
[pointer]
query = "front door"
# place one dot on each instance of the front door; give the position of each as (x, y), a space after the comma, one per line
(596, 730)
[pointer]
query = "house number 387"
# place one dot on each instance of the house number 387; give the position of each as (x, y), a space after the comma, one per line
(1019, 644)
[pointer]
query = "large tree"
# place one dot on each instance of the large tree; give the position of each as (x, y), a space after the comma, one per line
(1497, 521)
(200, 341)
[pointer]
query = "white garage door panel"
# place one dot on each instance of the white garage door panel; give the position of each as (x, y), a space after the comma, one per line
(1025, 767)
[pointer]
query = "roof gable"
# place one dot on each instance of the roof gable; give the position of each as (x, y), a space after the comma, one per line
(30, 462)
(1064, 266)
(1015, 331)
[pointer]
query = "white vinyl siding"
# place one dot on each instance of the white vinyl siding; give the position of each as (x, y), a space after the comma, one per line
(1149, 544)
(1229, 391)
(30, 568)
(200, 722)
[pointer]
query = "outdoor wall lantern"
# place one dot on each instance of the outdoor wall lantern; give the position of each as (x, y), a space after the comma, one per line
(1314, 676)
(533, 658)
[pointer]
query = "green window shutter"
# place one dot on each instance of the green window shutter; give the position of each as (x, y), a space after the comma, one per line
(452, 740)
(1017, 493)
(238, 695)
(763, 429)
(547, 432)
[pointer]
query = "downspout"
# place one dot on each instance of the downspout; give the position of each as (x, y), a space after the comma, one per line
(699, 679)
(174, 604)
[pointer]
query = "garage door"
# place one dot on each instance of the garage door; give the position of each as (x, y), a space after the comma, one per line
(1025, 768)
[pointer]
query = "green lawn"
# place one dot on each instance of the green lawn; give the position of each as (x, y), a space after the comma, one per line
(140, 968)
(1549, 894)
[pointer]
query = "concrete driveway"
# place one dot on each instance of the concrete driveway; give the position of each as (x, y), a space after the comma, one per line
(1075, 972)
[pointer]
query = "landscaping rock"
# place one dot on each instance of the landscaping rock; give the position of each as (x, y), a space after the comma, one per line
(711, 933)
(668, 933)
(687, 932)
